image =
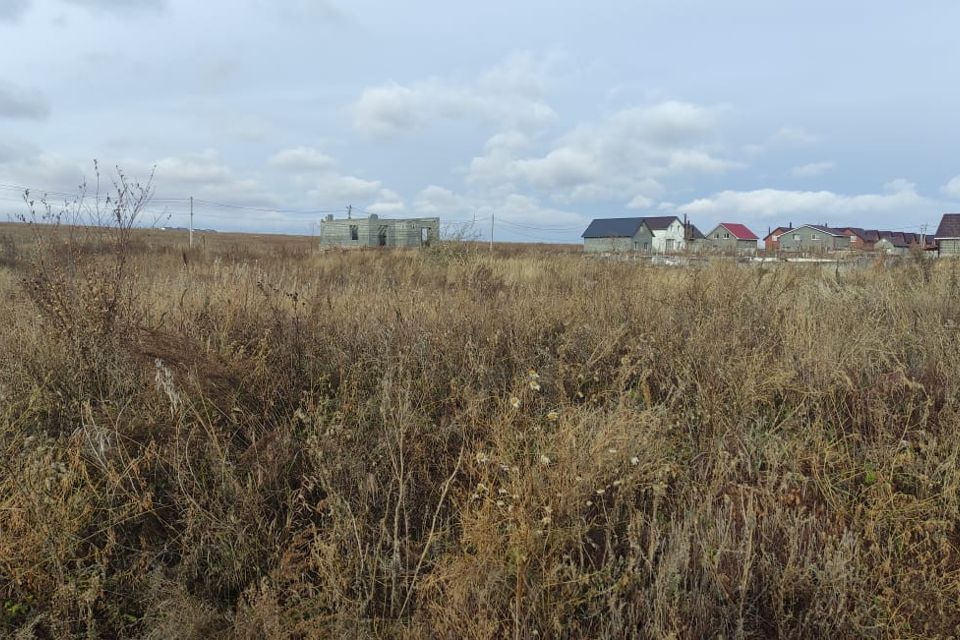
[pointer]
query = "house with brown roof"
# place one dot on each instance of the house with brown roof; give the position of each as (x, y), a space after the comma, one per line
(947, 236)
(893, 243)
(861, 239)
(901, 242)
(771, 243)
(732, 237)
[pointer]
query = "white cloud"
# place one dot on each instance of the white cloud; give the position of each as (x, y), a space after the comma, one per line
(388, 201)
(509, 95)
(522, 215)
(20, 103)
(793, 136)
(952, 188)
(900, 197)
(619, 157)
(812, 170)
(326, 186)
(302, 159)
(784, 137)
(333, 190)
(435, 200)
(121, 6)
(641, 202)
(562, 167)
(695, 161)
(43, 171)
(300, 10)
(12, 10)
(205, 167)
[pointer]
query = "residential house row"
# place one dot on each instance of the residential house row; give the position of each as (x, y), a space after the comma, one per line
(665, 234)
(670, 234)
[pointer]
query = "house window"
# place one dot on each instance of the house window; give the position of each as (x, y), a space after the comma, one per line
(796, 237)
(813, 238)
(726, 236)
(354, 232)
(717, 236)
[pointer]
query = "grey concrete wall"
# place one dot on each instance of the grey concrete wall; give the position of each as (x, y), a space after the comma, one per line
(949, 247)
(337, 233)
(811, 241)
(731, 244)
(406, 232)
(641, 242)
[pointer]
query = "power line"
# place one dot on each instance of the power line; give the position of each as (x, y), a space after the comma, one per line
(539, 227)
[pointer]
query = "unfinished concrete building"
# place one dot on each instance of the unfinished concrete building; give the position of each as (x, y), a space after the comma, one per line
(374, 231)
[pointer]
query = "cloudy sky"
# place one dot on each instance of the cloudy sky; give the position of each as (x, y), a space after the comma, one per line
(544, 114)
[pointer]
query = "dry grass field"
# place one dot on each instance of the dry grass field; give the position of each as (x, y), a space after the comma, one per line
(256, 439)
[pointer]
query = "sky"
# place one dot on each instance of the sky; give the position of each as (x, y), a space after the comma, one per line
(541, 115)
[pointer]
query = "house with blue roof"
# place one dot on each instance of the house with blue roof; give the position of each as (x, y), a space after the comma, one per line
(617, 235)
(656, 234)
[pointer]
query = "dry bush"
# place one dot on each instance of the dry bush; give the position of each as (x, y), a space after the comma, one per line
(451, 444)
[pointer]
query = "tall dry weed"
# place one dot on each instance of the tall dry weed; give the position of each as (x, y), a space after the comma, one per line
(524, 445)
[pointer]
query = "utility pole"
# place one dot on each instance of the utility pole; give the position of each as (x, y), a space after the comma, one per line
(191, 222)
(492, 218)
(923, 236)
(349, 211)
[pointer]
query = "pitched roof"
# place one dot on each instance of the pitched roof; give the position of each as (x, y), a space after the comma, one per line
(857, 231)
(739, 231)
(900, 238)
(837, 233)
(949, 226)
(695, 233)
(777, 231)
(613, 228)
(659, 223)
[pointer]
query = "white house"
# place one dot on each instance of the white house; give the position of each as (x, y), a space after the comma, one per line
(668, 233)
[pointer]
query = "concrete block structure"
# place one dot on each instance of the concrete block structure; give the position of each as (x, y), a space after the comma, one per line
(375, 231)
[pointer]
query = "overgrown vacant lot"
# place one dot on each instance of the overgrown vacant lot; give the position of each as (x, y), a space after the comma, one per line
(259, 440)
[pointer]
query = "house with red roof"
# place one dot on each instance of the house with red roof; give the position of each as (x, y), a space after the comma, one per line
(732, 237)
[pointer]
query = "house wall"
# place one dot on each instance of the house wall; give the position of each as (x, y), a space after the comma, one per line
(771, 243)
(642, 242)
(408, 232)
(885, 246)
(949, 247)
(669, 240)
(809, 240)
(337, 233)
(729, 245)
